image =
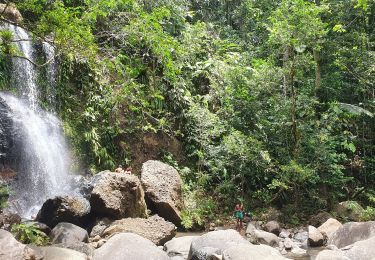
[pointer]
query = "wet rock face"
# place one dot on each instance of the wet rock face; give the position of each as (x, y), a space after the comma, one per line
(117, 196)
(162, 185)
(64, 209)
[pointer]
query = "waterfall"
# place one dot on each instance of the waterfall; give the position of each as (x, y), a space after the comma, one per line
(40, 153)
(24, 74)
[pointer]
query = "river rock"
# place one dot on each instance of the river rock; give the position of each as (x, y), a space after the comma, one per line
(297, 252)
(301, 236)
(9, 219)
(179, 246)
(126, 246)
(315, 237)
(100, 226)
(117, 195)
(329, 227)
(251, 252)
(352, 232)
(361, 250)
(57, 253)
(73, 210)
(273, 227)
(285, 233)
(154, 228)
(10, 248)
(256, 236)
(350, 210)
(214, 242)
(288, 243)
(68, 233)
(162, 185)
(11, 13)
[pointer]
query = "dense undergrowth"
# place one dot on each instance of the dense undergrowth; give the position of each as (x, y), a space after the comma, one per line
(272, 101)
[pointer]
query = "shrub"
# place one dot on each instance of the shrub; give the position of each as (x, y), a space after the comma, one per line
(29, 234)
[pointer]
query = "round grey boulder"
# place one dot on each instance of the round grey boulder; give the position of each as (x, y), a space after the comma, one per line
(273, 227)
(68, 233)
(179, 246)
(126, 246)
(214, 242)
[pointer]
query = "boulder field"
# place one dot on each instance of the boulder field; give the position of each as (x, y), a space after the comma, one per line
(122, 216)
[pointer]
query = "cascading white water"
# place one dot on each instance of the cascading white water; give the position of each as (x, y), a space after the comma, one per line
(24, 74)
(43, 160)
(43, 171)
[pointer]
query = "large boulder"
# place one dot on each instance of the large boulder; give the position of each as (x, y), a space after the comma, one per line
(64, 209)
(252, 252)
(361, 250)
(352, 232)
(179, 246)
(349, 210)
(154, 228)
(256, 236)
(118, 196)
(273, 227)
(329, 227)
(315, 237)
(126, 246)
(57, 253)
(214, 242)
(10, 12)
(68, 233)
(162, 185)
(10, 248)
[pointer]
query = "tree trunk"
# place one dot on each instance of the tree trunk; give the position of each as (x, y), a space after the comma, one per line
(318, 71)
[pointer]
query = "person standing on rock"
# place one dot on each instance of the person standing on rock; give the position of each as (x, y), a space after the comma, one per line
(239, 214)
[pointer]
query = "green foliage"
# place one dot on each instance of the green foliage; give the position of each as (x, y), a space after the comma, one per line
(368, 214)
(272, 100)
(198, 210)
(29, 234)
